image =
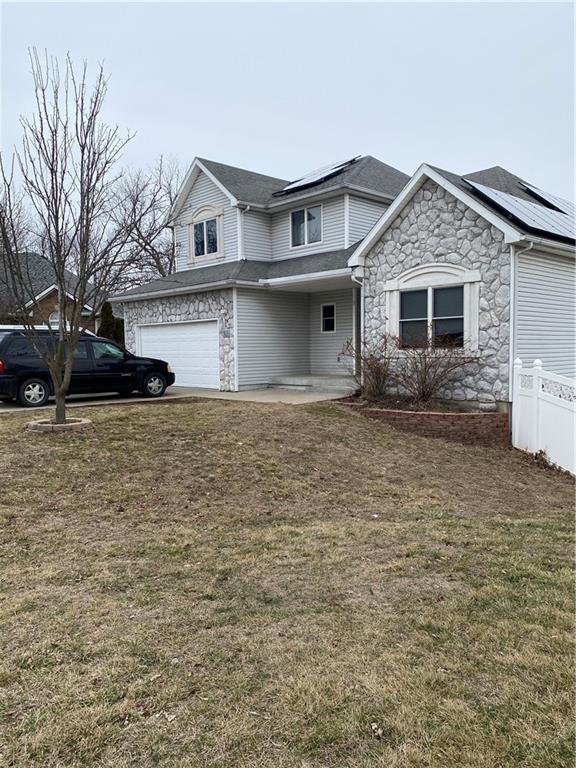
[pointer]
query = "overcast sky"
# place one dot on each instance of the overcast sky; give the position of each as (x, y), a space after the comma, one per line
(285, 88)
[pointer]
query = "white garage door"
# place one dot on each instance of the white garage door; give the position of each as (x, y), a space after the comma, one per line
(190, 348)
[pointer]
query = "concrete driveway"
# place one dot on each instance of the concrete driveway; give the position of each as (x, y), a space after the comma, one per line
(268, 395)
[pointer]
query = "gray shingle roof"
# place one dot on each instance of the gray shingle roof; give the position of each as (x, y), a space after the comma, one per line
(502, 180)
(247, 186)
(245, 272)
(367, 172)
(256, 188)
(37, 276)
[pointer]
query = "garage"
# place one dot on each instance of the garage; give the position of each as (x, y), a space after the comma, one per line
(190, 348)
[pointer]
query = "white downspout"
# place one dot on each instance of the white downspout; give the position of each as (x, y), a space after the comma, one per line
(512, 315)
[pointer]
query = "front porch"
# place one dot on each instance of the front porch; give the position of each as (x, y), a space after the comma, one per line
(293, 336)
(327, 384)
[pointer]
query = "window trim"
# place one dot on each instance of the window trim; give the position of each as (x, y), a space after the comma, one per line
(306, 244)
(201, 216)
(437, 275)
(327, 304)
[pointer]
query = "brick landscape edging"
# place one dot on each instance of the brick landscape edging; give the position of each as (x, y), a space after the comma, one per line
(477, 428)
(71, 425)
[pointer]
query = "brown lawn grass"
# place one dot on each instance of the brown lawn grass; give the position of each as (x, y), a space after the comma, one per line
(222, 584)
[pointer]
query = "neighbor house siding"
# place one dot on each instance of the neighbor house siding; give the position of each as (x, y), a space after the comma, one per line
(326, 347)
(272, 335)
(363, 215)
(332, 231)
(545, 307)
(257, 235)
(205, 192)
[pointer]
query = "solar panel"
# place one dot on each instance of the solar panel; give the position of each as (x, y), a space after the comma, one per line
(534, 216)
(566, 206)
(314, 177)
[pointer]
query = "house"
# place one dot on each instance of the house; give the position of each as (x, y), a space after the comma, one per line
(274, 277)
(485, 258)
(38, 283)
(263, 293)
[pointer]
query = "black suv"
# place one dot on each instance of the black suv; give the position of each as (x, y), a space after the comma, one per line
(100, 365)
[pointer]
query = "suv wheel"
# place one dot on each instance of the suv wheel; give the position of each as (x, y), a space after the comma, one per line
(33, 393)
(154, 385)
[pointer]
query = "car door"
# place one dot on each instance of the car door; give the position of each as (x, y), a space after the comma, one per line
(111, 373)
(82, 369)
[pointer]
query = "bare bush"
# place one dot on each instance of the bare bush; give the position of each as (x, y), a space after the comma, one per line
(373, 364)
(423, 371)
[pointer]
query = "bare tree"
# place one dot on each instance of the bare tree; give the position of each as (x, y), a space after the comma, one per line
(73, 204)
(152, 253)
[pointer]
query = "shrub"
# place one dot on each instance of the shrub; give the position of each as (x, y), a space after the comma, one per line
(372, 365)
(422, 372)
(110, 327)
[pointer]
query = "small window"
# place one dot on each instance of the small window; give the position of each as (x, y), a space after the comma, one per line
(206, 237)
(306, 226)
(328, 318)
(435, 311)
(103, 350)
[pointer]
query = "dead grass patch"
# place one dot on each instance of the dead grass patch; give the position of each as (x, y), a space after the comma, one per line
(225, 584)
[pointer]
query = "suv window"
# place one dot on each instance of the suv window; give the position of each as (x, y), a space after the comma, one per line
(21, 347)
(80, 351)
(103, 350)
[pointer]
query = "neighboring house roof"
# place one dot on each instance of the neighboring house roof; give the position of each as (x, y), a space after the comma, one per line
(500, 212)
(40, 277)
(241, 273)
(241, 186)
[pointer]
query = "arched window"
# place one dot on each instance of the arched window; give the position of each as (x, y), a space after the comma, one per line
(434, 303)
(205, 234)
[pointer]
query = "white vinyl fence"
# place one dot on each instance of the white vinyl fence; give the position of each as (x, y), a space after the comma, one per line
(544, 414)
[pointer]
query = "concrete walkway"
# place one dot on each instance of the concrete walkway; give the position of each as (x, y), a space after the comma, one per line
(269, 395)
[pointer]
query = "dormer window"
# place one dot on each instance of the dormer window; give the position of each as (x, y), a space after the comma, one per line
(205, 233)
(306, 226)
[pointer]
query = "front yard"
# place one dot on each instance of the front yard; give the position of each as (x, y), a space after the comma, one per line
(211, 583)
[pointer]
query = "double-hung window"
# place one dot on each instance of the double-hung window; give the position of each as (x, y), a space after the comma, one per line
(306, 226)
(432, 316)
(205, 237)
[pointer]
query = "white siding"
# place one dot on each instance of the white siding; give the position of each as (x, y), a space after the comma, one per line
(332, 231)
(325, 347)
(545, 309)
(272, 335)
(205, 192)
(363, 215)
(257, 235)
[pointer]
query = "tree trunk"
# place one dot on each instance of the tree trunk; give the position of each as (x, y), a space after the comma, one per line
(60, 416)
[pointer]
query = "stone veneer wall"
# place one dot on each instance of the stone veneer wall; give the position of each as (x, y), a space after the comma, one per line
(208, 305)
(435, 227)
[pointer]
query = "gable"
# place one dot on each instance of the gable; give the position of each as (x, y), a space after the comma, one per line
(204, 195)
(424, 174)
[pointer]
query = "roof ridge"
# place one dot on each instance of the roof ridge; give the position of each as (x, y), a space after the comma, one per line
(238, 168)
